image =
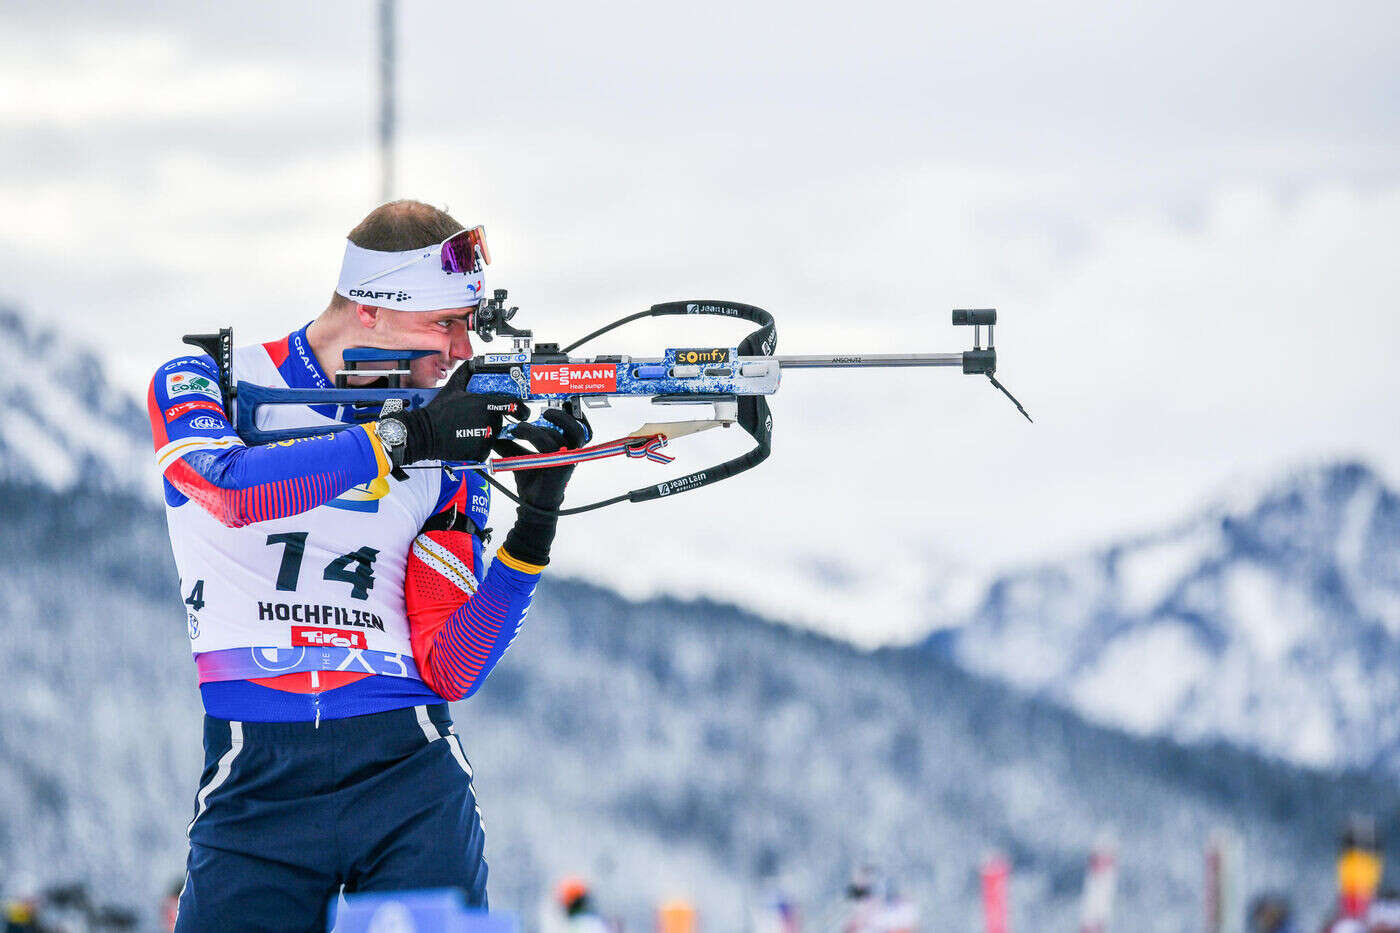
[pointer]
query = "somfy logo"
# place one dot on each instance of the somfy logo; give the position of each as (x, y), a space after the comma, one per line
(692, 356)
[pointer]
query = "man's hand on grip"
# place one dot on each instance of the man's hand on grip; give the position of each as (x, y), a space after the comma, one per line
(544, 489)
(458, 425)
(533, 533)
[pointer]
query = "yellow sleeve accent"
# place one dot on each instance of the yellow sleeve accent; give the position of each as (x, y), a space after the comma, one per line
(515, 563)
(380, 455)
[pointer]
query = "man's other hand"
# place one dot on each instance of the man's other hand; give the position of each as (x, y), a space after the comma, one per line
(544, 489)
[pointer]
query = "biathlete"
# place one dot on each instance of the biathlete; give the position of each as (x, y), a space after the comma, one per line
(334, 602)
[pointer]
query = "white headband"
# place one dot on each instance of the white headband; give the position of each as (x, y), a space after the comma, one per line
(412, 280)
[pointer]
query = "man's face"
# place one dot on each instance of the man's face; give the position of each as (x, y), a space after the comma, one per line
(445, 332)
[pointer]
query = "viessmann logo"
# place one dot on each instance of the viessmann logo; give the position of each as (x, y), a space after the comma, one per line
(574, 378)
(307, 637)
(184, 408)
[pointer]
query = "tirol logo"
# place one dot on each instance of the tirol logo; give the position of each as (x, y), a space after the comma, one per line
(696, 356)
(307, 637)
(573, 378)
(180, 384)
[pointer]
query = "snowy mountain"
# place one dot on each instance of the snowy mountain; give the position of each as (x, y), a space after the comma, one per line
(1271, 621)
(657, 747)
(61, 422)
(662, 746)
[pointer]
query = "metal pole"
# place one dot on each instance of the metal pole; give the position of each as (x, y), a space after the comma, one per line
(386, 100)
(865, 360)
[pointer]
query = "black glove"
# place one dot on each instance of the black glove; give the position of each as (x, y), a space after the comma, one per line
(458, 425)
(533, 533)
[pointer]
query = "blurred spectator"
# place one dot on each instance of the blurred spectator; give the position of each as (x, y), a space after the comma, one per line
(1345, 925)
(60, 909)
(1383, 916)
(777, 915)
(170, 906)
(676, 916)
(109, 917)
(21, 916)
(66, 907)
(875, 907)
(572, 910)
(1359, 866)
(1270, 913)
(22, 908)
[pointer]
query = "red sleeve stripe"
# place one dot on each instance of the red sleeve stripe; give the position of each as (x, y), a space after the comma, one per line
(266, 501)
(464, 646)
(158, 433)
(460, 672)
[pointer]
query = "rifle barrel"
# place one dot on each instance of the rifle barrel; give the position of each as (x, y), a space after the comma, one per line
(846, 360)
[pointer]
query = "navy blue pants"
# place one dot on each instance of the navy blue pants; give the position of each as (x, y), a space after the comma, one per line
(288, 814)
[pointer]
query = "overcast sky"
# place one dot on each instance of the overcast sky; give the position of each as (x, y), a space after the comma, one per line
(1188, 215)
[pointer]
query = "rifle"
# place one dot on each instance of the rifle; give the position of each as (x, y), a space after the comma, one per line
(733, 381)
